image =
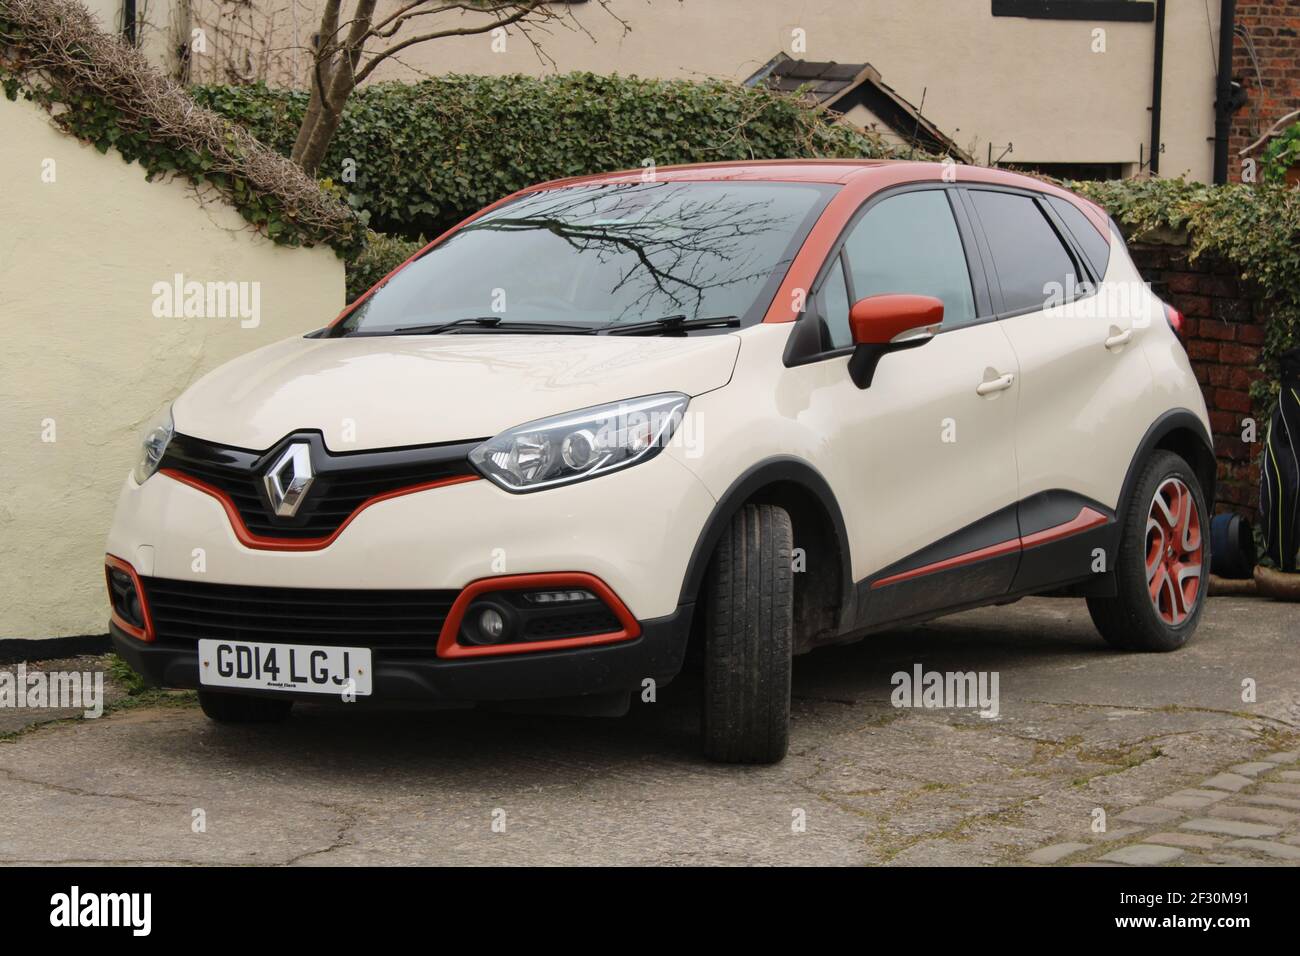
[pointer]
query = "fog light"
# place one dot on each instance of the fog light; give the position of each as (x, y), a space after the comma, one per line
(491, 625)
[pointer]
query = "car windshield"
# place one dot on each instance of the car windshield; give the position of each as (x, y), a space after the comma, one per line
(588, 257)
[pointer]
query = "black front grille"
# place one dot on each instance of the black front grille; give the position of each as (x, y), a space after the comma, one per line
(388, 619)
(341, 483)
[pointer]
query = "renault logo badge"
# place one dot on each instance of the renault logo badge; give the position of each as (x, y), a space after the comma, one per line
(288, 479)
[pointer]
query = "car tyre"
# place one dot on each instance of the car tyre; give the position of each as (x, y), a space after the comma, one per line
(243, 708)
(748, 636)
(1162, 567)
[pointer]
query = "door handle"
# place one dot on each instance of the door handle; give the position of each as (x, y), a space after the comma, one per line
(995, 385)
(1119, 338)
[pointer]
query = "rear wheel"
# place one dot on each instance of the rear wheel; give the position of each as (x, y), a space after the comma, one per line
(243, 708)
(748, 639)
(1162, 562)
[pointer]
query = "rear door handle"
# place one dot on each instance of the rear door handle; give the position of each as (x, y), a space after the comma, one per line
(1119, 338)
(995, 385)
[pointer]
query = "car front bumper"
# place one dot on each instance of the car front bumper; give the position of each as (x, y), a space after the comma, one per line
(606, 670)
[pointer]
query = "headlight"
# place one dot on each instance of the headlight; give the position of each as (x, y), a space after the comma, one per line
(582, 444)
(154, 443)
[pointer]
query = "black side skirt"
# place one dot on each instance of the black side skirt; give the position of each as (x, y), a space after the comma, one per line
(1049, 540)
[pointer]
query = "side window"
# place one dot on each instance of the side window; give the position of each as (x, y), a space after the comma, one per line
(1030, 260)
(909, 243)
(1094, 245)
(835, 307)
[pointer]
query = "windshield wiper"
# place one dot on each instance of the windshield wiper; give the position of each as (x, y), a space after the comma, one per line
(490, 323)
(670, 324)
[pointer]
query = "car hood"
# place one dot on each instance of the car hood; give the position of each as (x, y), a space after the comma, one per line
(388, 391)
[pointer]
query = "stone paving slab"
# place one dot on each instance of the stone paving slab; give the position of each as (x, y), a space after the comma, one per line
(1192, 799)
(1235, 811)
(1056, 853)
(1229, 781)
(1231, 827)
(1149, 815)
(1280, 850)
(1253, 769)
(1193, 840)
(1143, 854)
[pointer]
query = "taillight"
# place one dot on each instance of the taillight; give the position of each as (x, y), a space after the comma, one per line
(1175, 319)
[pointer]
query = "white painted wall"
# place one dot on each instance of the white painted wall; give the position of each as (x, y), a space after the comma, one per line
(81, 348)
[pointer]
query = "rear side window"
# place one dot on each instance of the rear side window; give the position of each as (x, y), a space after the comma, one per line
(1032, 264)
(909, 243)
(1094, 245)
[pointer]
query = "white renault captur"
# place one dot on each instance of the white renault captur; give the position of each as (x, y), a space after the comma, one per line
(756, 408)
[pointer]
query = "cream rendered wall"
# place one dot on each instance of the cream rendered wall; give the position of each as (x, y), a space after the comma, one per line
(81, 348)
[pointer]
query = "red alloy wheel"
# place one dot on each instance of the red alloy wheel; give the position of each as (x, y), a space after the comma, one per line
(1174, 552)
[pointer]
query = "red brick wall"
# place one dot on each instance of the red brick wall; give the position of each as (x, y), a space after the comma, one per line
(1223, 334)
(1274, 91)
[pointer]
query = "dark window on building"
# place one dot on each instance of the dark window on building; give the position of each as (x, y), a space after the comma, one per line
(1032, 264)
(1137, 11)
(909, 244)
(1094, 245)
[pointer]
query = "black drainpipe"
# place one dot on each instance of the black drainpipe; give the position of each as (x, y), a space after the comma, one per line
(1157, 84)
(1223, 94)
(128, 21)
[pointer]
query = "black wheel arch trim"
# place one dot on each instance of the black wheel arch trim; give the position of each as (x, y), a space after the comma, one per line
(782, 469)
(1176, 419)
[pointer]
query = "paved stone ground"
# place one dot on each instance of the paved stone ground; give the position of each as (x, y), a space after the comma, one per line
(1246, 816)
(1185, 770)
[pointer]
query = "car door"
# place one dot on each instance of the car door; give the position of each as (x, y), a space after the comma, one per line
(923, 458)
(1083, 377)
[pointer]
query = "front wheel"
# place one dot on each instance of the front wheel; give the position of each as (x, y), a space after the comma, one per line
(243, 708)
(1164, 556)
(749, 625)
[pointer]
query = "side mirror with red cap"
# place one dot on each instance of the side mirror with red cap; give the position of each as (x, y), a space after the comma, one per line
(886, 323)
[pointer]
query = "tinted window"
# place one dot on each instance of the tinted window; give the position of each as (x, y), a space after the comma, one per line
(910, 244)
(1027, 252)
(835, 307)
(1093, 243)
(598, 254)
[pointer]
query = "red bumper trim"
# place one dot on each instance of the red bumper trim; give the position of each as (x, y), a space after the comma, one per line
(448, 648)
(111, 562)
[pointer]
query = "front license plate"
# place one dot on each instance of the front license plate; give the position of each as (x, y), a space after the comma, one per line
(295, 667)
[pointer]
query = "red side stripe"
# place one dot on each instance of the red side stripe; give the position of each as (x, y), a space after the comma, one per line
(263, 543)
(970, 557)
(1085, 519)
